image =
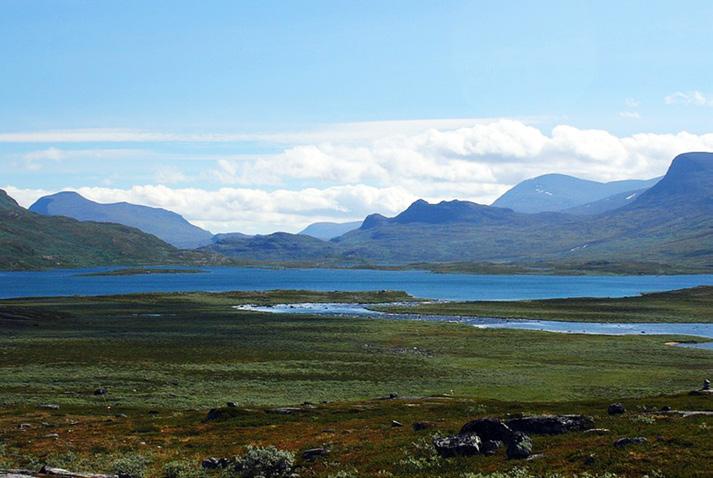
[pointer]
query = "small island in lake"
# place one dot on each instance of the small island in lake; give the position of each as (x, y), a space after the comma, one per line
(136, 271)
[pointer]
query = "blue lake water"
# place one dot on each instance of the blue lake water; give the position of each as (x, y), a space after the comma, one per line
(417, 283)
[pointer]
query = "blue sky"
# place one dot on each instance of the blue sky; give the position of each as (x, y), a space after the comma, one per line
(302, 97)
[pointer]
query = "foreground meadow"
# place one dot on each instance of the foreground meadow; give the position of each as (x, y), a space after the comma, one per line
(135, 376)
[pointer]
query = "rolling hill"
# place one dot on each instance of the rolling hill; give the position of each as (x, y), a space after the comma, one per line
(166, 225)
(32, 241)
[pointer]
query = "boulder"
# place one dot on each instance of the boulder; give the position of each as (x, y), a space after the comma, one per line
(101, 391)
(231, 405)
(457, 445)
(488, 429)
(396, 424)
(213, 463)
(624, 442)
(550, 424)
(314, 453)
(519, 447)
(490, 447)
(616, 409)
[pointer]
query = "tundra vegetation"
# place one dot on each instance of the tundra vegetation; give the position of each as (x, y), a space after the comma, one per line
(124, 384)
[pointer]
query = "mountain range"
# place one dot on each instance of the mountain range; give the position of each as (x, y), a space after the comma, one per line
(667, 225)
(166, 225)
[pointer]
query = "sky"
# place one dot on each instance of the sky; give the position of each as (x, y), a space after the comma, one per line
(258, 116)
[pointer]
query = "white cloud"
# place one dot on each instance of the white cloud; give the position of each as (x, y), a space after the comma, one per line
(694, 97)
(347, 177)
(632, 103)
(169, 175)
(629, 114)
(248, 210)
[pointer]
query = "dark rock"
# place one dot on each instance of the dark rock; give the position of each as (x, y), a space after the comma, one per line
(457, 445)
(624, 442)
(665, 408)
(616, 409)
(101, 391)
(153, 412)
(215, 414)
(214, 463)
(550, 424)
(419, 426)
(314, 453)
(519, 447)
(488, 429)
(490, 447)
(231, 405)
(397, 424)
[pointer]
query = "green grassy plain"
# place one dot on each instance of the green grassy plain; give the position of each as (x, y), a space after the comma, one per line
(181, 354)
(686, 305)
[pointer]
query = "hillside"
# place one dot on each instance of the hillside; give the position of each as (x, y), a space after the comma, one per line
(33, 241)
(166, 225)
(557, 192)
(276, 247)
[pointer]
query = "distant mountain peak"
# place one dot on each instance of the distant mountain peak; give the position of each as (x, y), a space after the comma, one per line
(167, 225)
(559, 192)
(6, 202)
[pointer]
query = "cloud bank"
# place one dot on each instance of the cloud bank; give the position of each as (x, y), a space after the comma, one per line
(382, 168)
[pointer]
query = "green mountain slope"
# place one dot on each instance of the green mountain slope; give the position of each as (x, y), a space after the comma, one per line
(32, 241)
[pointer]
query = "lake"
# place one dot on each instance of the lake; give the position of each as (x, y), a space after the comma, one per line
(417, 283)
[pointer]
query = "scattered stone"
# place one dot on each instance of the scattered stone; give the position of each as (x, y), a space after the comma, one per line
(519, 447)
(550, 424)
(457, 445)
(488, 429)
(666, 408)
(490, 447)
(590, 459)
(314, 453)
(101, 391)
(49, 406)
(616, 409)
(419, 426)
(121, 415)
(597, 431)
(706, 384)
(396, 424)
(624, 442)
(153, 412)
(231, 405)
(24, 426)
(52, 435)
